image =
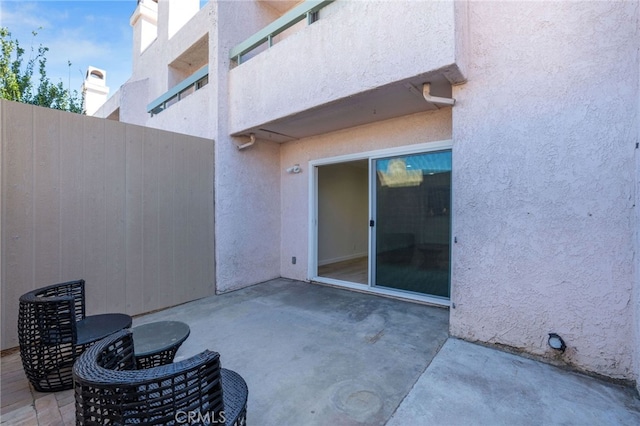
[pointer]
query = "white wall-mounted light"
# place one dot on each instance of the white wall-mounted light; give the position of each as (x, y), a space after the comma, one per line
(294, 169)
(556, 342)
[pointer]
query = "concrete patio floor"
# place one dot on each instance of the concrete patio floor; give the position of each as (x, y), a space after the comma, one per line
(314, 355)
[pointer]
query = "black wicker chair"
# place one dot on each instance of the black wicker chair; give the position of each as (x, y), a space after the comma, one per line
(53, 331)
(110, 390)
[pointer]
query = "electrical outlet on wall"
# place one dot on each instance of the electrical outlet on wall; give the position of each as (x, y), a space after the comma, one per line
(293, 260)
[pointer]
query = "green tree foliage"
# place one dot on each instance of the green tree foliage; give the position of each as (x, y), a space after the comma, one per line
(17, 81)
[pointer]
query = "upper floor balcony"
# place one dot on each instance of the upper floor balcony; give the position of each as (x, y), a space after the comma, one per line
(353, 63)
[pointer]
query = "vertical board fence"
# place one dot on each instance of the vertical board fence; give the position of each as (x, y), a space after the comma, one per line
(127, 208)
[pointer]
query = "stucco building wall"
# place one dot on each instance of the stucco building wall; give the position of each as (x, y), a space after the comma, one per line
(545, 170)
(637, 219)
(153, 62)
(339, 56)
(409, 130)
(247, 182)
(543, 181)
(636, 319)
(151, 74)
(186, 116)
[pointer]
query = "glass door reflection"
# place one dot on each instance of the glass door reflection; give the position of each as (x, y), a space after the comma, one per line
(412, 205)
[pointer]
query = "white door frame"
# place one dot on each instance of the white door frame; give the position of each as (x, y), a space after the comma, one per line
(312, 272)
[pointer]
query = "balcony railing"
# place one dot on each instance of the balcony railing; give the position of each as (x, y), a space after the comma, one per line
(307, 9)
(181, 90)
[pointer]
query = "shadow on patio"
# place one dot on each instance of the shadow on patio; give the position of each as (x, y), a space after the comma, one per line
(311, 355)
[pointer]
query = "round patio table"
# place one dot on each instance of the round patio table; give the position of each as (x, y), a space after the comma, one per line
(156, 343)
(97, 327)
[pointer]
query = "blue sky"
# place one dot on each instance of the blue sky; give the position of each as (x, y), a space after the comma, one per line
(95, 33)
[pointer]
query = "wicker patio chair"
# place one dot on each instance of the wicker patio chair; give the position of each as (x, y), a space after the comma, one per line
(110, 390)
(53, 331)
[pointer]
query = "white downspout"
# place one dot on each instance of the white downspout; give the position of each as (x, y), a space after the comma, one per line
(436, 100)
(252, 140)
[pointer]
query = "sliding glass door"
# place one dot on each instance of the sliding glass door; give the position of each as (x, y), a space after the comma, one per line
(343, 216)
(411, 225)
(381, 221)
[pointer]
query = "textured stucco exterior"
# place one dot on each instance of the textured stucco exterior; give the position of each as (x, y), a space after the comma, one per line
(544, 136)
(544, 132)
(151, 74)
(636, 320)
(338, 56)
(248, 192)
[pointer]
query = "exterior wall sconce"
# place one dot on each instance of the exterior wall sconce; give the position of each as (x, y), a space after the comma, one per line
(556, 342)
(295, 169)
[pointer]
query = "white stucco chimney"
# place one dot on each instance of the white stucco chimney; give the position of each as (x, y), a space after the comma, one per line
(95, 89)
(145, 26)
